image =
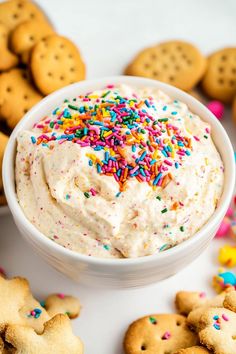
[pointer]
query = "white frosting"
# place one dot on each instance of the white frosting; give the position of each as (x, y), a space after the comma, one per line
(51, 183)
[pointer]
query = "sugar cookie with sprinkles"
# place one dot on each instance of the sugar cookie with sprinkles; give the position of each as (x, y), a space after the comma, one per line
(219, 330)
(106, 174)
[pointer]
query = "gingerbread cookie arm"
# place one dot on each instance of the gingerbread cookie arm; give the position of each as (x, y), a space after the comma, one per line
(186, 301)
(60, 303)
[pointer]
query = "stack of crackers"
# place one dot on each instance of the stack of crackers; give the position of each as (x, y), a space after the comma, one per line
(34, 62)
(30, 327)
(202, 326)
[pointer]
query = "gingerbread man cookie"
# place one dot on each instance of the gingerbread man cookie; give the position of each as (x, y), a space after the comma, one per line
(61, 303)
(158, 334)
(186, 301)
(57, 338)
(218, 331)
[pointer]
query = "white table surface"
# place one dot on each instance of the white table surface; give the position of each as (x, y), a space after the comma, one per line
(109, 33)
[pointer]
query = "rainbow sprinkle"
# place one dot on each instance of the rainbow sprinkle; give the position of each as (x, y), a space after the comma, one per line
(134, 144)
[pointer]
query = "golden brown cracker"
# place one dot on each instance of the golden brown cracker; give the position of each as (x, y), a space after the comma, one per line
(17, 96)
(56, 62)
(8, 60)
(219, 81)
(158, 334)
(57, 338)
(3, 143)
(27, 34)
(193, 350)
(175, 62)
(13, 12)
(60, 303)
(218, 331)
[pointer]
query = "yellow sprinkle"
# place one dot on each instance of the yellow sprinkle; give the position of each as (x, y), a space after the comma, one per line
(93, 96)
(107, 134)
(92, 157)
(206, 161)
(131, 104)
(105, 113)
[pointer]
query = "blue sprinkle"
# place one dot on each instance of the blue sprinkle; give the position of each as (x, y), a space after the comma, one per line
(33, 140)
(157, 179)
(55, 110)
(164, 108)
(152, 162)
(90, 163)
(118, 194)
(147, 103)
(99, 169)
(176, 165)
(174, 113)
(133, 148)
(143, 155)
(106, 247)
(216, 326)
(216, 317)
(106, 155)
(187, 152)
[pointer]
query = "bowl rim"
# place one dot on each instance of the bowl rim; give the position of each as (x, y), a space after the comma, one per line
(114, 262)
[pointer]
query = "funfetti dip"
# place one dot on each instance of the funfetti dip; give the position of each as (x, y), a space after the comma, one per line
(119, 172)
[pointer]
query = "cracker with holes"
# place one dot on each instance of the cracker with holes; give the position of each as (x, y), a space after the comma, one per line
(56, 62)
(61, 303)
(218, 331)
(27, 34)
(14, 12)
(219, 81)
(17, 96)
(197, 349)
(158, 334)
(175, 62)
(8, 60)
(57, 338)
(3, 143)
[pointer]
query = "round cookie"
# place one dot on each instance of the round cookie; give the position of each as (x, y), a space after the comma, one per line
(13, 12)
(56, 62)
(3, 143)
(17, 96)
(158, 334)
(7, 59)
(27, 34)
(219, 81)
(193, 350)
(177, 63)
(234, 110)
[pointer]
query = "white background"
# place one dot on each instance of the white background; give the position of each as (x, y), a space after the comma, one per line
(109, 33)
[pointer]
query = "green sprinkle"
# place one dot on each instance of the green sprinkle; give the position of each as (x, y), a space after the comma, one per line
(158, 197)
(73, 107)
(163, 120)
(181, 228)
(105, 94)
(107, 247)
(164, 210)
(205, 136)
(51, 125)
(67, 197)
(152, 320)
(86, 194)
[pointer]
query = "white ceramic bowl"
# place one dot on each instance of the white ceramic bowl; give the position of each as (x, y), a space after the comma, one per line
(119, 272)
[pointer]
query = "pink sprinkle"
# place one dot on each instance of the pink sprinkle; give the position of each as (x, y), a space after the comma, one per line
(166, 335)
(196, 138)
(61, 295)
(110, 86)
(93, 192)
(167, 162)
(32, 313)
(226, 318)
(202, 294)
(134, 170)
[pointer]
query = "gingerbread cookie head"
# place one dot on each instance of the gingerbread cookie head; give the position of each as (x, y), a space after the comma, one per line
(219, 330)
(13, 12)
(186, 301)
(27, 34)
(61, 303)
(7, 59)
(56, 62)
(158, 334)
(15, 86)
(193, 350)
(219, 82)
(176, 62)
(57, 337)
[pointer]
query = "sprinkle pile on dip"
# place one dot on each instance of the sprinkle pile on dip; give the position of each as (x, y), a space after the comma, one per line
(119, 172)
